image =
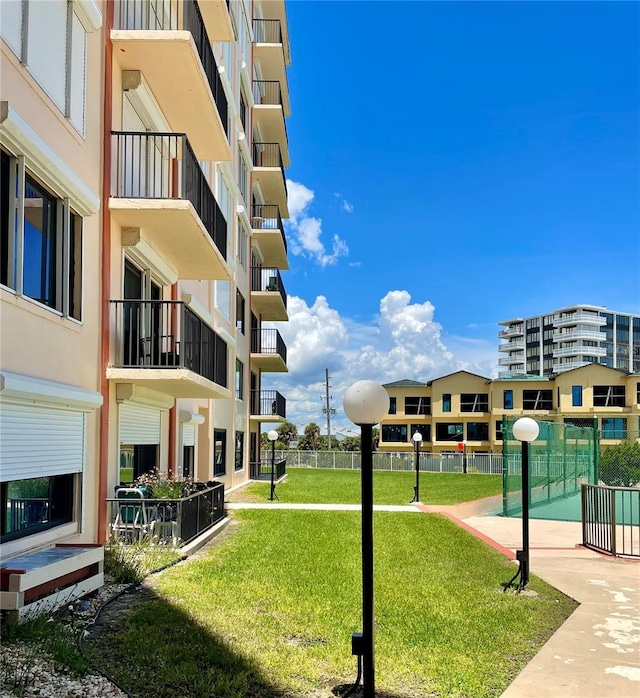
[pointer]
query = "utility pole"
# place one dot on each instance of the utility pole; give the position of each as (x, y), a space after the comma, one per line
(327, 409)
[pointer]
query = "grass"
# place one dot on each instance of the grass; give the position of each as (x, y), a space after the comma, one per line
(269, 611)
(311, 486)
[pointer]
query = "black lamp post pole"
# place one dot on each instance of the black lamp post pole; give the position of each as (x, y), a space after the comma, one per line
(366, 436)
(273, 462)
(416, 493)
(524, 558)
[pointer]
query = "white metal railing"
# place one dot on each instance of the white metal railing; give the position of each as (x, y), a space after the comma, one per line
(573, 318)
(511, 332)
(509, 360)
(511, 345)
(578, 350)
(568, 366)
(579, 334)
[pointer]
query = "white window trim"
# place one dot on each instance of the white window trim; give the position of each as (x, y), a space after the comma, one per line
(89, 14)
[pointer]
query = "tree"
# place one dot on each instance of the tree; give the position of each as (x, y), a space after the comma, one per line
(350, 443)
(287, 432)
(309, 442)
(620, 465)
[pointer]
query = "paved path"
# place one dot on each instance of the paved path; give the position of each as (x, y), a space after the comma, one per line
(317, 507)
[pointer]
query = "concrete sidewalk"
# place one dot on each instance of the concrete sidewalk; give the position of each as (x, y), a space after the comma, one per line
(595, 653)
(318, 507)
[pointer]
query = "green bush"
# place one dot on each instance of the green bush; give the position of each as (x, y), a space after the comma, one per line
(620, 465)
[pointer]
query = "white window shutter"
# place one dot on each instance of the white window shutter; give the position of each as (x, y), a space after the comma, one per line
(78, 74)
(11, 24)
(47, 48)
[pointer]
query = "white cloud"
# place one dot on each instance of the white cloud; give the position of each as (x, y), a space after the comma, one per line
(344, 204)
(305, 230)
(403, 341)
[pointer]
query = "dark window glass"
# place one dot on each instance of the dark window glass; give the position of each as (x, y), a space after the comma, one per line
(537, 399)
(240, 312)
(424, 429)
(608, 395)
(474, 402)
(35, 505)
(239, 456)
(417, 405)
(446, 431)
(579, 421)
(499, 430)
(5, 217)
(75, 267)
(638, 393)
(478, 431)
(576, 396)
(394, 433)
(188, 454)
(239, 380)
(40, 244)
(446, 402)
(393, 406)
(507, 399)
(219, 452)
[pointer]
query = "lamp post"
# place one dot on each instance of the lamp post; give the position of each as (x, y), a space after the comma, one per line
(417, 440)
(525, 430)
(464, 456)
(365, 404)
(273, 437)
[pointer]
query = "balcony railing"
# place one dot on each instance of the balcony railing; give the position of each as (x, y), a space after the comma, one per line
(267, 31)
(164, 166)
(575, 318)
(511, 360)
(267, 92)
(512, 345)
(262, 470)
(264, 279)
(579, 350)
(268, 403)
(267, 217)
(269, 155)
(594, 335)
(513, 331)
(268, 342)
(176, 15)
(167, 521)
(168, 335)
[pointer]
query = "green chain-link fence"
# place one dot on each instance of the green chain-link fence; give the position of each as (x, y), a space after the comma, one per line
(562, 458)
(620, 464)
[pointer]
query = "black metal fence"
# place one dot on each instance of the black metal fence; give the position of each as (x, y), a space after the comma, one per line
(268, 341)
(269, 155)
(166, 521)
(267, 31)
(268, 279)
(262, 470)
(267, 217)
(267, 92)
(167, 334)
(164, 166)
(268, 403)
(611, 519)
(171, 15)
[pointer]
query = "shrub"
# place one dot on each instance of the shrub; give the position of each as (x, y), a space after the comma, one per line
(620, 465)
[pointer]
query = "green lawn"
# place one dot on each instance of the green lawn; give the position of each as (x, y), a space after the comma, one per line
(315, 486)
(269, 611)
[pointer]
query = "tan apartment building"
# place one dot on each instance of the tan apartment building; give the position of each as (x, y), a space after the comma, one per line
(143, 193)
(467, 409)
(51, 139)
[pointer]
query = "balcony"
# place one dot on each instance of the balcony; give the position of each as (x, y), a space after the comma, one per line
(217, 19)
(268, 297)
(513, 331)
(268, 406)
(569, 366)
(164, 345)
(594, 335)
(579, 350)
(575, 318)
(166, 40)
(271, 51)
(268, 235)
(268, 172)
(159, 192)
(269, 115)
(511, 345)
(511, 361)
(268, 351)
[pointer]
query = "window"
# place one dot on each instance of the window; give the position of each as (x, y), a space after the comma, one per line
(638, 393)
(54, 51)
(34, 505)
(393, 407)
(243, 111)
(50, 238)
(243, 175)
(219, 452)
(239, 380)
(507, 399)
(243, 245)
(576, 396)
(478, 431)
(537, 399)
(474, 402)
(424, 429)
(448, 432)
(223, 297)
(446, 402)
(239, 457)
(417, 405)
(614, 428)
(394, 433)
(608, 395)
(499, 430)
(240, 312)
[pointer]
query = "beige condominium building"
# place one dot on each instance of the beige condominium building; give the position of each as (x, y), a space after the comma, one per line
(464, 408)
(51, 77)
(142, 248)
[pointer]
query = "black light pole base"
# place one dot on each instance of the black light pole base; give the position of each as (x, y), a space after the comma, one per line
(523, 555)
(523, 573)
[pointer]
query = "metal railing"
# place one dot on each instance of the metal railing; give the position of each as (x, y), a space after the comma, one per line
(611, 519)
(167, 521)
(164, 166)
(573, 318)
(267, 92)
(267, 217)
(511, 332)
(268, 342)
(269, 155)
(167, 334)
(262, 470)
(176, 15)
(267, 31)
(268, 403)
(268, 279)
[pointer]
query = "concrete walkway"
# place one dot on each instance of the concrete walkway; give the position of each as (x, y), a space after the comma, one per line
(317, 507)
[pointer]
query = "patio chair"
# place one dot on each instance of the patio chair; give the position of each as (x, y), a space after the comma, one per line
(134, 518)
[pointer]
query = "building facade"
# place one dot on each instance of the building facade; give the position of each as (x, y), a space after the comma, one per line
(464, 408)
(569, 338)
(144, 148)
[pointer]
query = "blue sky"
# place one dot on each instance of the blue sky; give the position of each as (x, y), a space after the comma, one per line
(453, 164)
